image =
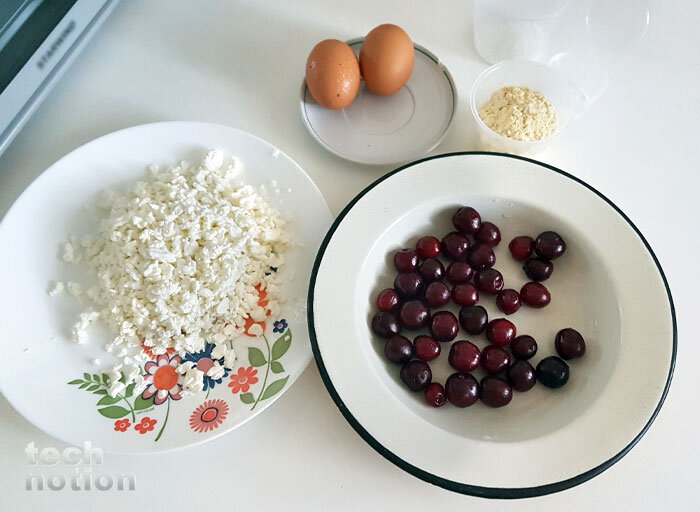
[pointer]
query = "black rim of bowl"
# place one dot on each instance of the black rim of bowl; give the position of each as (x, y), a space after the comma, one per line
(463, 488)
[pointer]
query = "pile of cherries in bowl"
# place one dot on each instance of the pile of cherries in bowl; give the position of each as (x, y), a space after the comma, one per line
(425, 284)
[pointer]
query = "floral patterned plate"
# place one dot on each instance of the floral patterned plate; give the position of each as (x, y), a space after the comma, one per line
(55, 383)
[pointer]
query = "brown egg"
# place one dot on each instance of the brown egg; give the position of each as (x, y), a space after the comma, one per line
(333, 74)
(386, 59)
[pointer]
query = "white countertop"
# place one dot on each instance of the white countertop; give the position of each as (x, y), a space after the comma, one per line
(241, 64)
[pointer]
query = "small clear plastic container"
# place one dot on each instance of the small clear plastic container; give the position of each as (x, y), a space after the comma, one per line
(567, 100)
(515, 29)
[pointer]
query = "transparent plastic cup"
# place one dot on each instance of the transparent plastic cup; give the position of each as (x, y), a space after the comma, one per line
(515, 29)
(567, 100)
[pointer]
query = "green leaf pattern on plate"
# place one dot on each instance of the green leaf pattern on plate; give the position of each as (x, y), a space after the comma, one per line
(257, 359)
(126, 405)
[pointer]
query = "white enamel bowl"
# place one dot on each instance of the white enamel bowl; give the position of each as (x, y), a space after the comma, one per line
(608, 285)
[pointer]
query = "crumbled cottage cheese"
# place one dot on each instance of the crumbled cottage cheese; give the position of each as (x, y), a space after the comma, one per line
(177, 261)
(56, 288)
(74, 289)
(519, 113)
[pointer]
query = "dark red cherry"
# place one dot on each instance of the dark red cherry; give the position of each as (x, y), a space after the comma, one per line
(435, 394)
(416, 375)
(535, 295)
(494, 359)
(406, 260)
(413, 314)
(428, 247)
(500, 331)
(444, 326)
(464, 356)
(508, 301)
(437, 294)
(385, 324)
(495, 391)
(488, 234)
(426, 348)
(489, 281)
(549, 245)
(521, 376)
(569, 343)
(465, 294)
(462, 389)
(408, 286)
(538, 269)
(454, 246)
(523, 347)
(431, 270)
(552, 372)
(522, 247)
(467, 220)
(398, 349)
(387, 300)
(459, 272)
(481, 256)
(473, 319)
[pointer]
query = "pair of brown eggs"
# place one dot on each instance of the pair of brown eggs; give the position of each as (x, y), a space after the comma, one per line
(333, 73)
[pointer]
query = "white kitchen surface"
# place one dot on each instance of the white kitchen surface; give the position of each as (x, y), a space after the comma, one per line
(241, 64)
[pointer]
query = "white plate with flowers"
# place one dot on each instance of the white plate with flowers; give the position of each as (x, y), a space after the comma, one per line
(230, 361)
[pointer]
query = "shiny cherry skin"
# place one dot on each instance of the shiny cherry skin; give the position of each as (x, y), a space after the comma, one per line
(549, 245)
(431, 270)
(508, 301)
(535, 295)
(538, 269)
(523, 347)
(413, 314)
(489, 281)
(465, 294)
(398, 349)
(521, 376)
(387, 300)
(494, 359)
(454, 246)
(552, 372)
(473, 319)
(569, 344)
(521, 247)
(488, 234)
(481, 257)
(385, 324)
(435, 395)
(416, 375)
(464, 356)
(428, 247)
(462, 389)
(426, 348)
(444, 326)
(406, 260)
(459, 272)
(467, 220)
(500, 331)
(437, 294)
(409, 286)
(495, 391)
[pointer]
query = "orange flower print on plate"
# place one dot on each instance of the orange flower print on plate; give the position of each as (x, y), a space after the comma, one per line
(242, 380)
(145, 425)
(122, 425)
(209, 415)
